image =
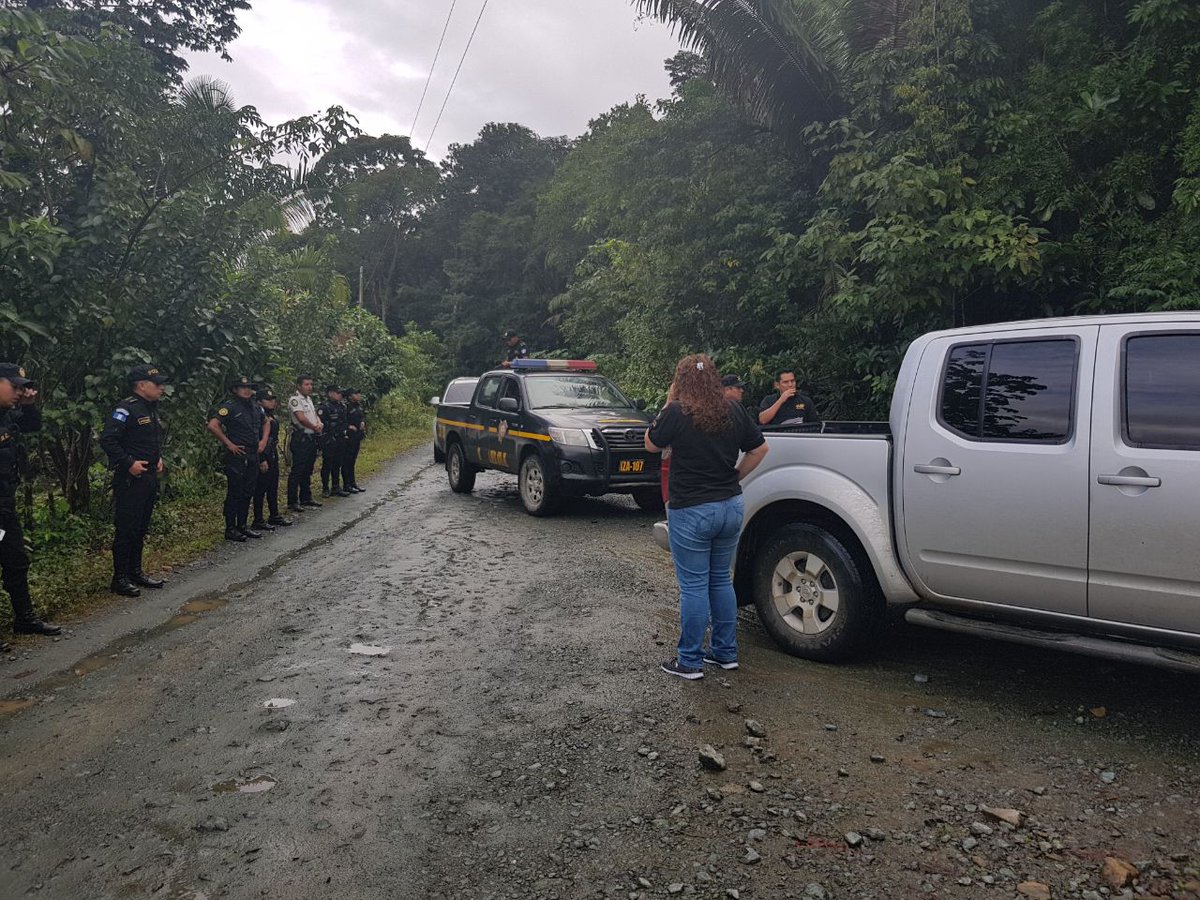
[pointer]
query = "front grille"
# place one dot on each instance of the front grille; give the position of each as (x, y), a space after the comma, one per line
(623, 440)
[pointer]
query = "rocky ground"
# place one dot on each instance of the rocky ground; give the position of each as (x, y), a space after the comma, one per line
(516, 740)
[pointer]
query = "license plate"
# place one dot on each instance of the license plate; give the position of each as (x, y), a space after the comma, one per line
(631, 466)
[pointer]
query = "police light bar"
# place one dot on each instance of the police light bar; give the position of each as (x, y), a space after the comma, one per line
(554, 365)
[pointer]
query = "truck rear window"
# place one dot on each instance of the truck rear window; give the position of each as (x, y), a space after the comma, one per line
(1162, 391)
(1011, 391)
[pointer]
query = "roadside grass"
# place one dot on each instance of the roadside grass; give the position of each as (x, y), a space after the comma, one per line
(68, 583)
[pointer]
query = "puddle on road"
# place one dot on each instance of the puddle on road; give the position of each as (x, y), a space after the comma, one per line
(256, 785)
(12, 707)
(369, 650)
(203, 605)
(279, 703)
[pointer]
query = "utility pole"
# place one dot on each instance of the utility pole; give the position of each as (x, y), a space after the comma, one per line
(360, 286)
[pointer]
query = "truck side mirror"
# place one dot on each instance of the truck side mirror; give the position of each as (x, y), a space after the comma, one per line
(639, 403)
(435, 401)
(509, 405)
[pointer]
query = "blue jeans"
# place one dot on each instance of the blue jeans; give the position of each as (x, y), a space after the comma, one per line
(703, 539)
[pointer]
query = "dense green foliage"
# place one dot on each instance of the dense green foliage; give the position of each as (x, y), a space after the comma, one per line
(146, 219)
(830, 179)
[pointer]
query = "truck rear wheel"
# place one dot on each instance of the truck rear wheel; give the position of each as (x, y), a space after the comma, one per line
(539, 492)
(812, 595)
(460, 473)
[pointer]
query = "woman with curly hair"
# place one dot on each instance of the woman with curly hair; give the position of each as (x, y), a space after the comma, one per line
(706, 434)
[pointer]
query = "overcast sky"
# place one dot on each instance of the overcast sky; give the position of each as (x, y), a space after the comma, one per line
(549, 64)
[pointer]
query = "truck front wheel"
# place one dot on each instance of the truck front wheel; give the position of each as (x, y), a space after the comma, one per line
(539, 492)
(459, 472)
(812, 595)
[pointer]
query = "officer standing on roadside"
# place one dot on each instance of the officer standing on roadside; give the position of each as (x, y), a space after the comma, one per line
(18, 416)
(356, 430)
(333, 447)
(240, 426)
(306, 432)
(267, 487)
(132, 440)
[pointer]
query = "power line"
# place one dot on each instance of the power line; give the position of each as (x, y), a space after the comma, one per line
(436, 54)
(454, 80)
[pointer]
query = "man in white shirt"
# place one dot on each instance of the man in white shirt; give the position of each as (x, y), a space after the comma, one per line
(305, 441)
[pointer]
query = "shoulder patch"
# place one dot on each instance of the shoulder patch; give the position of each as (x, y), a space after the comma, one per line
(120, 414)
(223, 411)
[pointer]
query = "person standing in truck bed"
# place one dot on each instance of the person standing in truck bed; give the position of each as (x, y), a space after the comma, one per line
(786, 406)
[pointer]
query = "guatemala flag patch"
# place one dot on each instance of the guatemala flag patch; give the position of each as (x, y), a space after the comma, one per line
(121, 415)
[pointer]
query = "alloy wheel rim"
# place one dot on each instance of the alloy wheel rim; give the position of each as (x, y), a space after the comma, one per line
(805, 593)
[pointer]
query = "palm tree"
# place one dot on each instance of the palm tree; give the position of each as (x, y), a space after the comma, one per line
(783, 61)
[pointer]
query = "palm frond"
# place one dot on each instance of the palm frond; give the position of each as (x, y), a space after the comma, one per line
(207, 94)
(775, 58)
(869, 23)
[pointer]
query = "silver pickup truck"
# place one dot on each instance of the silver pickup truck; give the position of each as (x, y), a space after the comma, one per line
(1037, 482)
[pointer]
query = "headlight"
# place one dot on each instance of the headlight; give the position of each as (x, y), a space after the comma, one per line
(570, 437)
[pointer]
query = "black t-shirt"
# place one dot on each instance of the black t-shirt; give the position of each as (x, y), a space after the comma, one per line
(703, 466)
(798, 410)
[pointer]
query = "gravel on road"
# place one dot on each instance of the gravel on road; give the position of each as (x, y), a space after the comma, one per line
(435, 695)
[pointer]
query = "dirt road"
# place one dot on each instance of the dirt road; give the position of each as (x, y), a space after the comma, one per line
(518, 741)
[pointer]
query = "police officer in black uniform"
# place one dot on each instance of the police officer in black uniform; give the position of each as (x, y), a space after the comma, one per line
(514, 348)
(240, 426)
(267, 487)
(18, 416)
(333, 446)
(356, 430)
(132, 440)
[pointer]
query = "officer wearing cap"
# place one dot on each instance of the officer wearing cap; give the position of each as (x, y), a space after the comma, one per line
(241, 427)
(734, 388)
(132, 440)
(333, 446)
(304, 444)
(18, 416)
(514, 348)
(267, 487)
(356, 430)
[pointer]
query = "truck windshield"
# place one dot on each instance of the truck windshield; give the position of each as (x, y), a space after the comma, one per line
(574, 392)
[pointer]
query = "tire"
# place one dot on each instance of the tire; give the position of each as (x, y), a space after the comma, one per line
(460, 473)
(827, 609)
(439, 455)
(649, 499)
(539, 490)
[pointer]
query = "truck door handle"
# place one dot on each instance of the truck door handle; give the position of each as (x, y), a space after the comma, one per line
(1146, 481)
(937, 470)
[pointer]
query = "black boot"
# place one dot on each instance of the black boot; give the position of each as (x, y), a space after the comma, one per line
(313, 503)
(250, 532)
(260, 525)
(34, 625)
(279, 521)
(141, 578)
(232, 534)
(25, 621)
(5, 647)
(122, 586)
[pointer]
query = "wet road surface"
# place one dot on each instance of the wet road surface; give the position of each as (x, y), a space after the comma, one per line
(501, 730)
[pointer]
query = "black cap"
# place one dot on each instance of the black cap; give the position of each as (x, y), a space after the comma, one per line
(146, 372)
(266, 394)
(15, 374)
(351, 390)
(732, 381)
(243, 381)
(334, 387)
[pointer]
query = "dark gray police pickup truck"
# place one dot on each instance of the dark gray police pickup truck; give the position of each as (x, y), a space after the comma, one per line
(1037, 482)
(560, 427)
